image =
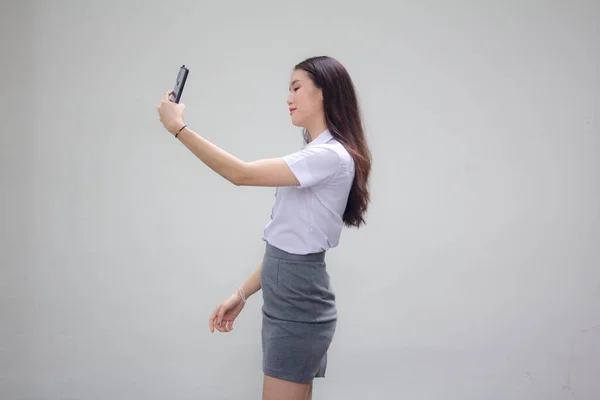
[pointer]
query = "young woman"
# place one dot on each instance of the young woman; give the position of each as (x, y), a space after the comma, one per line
(320, 188)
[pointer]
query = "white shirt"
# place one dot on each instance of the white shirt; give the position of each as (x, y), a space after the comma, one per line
(308, 218)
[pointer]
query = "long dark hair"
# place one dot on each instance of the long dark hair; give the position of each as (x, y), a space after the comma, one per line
(343, 119)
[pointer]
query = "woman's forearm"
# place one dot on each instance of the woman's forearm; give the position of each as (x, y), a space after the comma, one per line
(252, 284)
(220, 161)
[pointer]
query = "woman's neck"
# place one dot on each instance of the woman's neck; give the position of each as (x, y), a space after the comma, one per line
(316, 129)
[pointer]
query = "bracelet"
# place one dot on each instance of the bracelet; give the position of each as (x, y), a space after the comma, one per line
(177, 134)
(242, 294)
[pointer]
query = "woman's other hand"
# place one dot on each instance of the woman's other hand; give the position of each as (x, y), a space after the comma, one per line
(225, 314)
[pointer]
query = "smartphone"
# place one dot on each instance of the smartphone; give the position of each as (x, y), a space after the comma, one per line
(179, 84)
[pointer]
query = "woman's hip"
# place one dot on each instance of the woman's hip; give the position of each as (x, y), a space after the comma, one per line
(297, 287)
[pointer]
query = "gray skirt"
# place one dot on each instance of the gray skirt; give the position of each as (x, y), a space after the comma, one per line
(299, 315)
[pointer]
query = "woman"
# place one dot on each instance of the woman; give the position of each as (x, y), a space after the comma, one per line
(320, 188)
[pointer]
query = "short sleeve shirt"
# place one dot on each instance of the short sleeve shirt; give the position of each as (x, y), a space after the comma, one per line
(308, 218)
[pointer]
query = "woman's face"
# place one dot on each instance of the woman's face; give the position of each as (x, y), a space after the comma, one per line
(305, 100)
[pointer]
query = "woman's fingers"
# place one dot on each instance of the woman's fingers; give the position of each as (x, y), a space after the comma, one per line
(167, 94)
(217, 320)
(227, 325)
(220, 316)
(212, 319)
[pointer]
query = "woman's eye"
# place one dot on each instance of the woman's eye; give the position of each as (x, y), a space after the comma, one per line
(296, 89)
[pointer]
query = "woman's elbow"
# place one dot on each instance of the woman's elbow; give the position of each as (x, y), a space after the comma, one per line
(236, 182)
(241, 177)
(244, 181)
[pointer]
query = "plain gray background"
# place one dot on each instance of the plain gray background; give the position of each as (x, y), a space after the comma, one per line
(476, 277)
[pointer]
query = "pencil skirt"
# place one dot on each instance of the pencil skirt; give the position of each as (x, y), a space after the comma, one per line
(299, 315)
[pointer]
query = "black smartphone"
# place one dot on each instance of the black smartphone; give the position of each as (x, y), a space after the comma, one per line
(180, 83)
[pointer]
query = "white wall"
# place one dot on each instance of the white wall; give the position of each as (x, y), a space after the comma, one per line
(117, 243)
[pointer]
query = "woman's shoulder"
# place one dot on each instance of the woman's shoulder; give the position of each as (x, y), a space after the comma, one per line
(344, 160)
(337, 147)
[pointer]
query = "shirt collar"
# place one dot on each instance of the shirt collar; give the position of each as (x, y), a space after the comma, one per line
(324, 137)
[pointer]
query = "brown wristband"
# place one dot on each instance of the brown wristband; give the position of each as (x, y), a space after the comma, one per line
(177, 134)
